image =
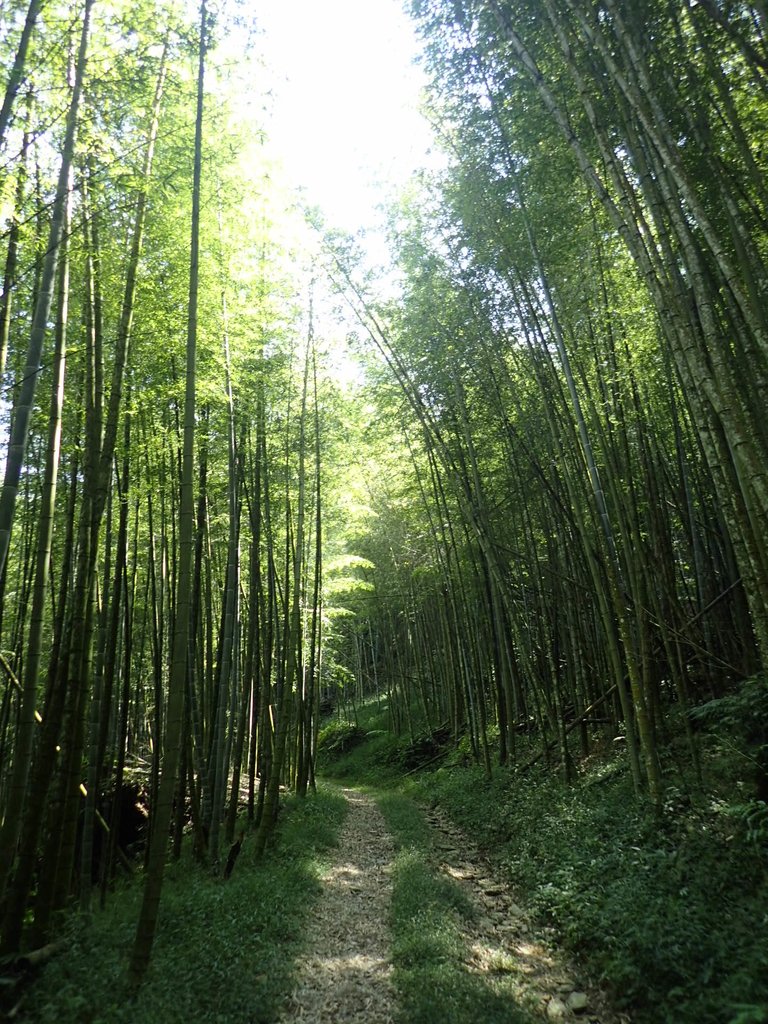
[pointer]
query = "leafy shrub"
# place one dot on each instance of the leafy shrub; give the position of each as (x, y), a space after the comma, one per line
(337, 739)
(375, 756)
(754, 816)
(743, 715)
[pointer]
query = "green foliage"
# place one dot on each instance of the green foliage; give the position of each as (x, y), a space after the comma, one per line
(739, 722)
(223, 951)
(429, 912)
(743, 717)
(336, 739)
(744, 711)
(671, 914)
(755, 818)
(379, 759)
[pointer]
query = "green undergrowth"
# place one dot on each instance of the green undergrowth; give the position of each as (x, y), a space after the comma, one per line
(429, 947)
(224, 949)
(669, 912)
(367, 752)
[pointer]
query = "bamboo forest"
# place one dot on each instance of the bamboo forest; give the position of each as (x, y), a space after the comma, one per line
(383, 628)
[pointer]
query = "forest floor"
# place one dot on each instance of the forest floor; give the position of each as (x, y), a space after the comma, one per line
(503, 968)
(453, 900)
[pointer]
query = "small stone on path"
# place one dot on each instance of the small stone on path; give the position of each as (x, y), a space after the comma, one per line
(556, 1009)
(577, 1002)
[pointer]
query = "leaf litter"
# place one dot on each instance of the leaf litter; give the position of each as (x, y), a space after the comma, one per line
(346, 974)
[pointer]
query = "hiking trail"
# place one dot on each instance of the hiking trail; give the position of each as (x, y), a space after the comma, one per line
(345, 977)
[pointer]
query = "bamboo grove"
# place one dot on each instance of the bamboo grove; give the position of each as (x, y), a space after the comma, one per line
(580, 358)
(539, 519)
(161, 507)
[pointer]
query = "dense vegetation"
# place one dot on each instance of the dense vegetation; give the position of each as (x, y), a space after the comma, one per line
(249, 929)
(535, 527)
(669, 915)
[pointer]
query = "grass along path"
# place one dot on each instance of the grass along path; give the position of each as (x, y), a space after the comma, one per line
(670, 915)
(224, 952)
(463, 950)
(363, 911)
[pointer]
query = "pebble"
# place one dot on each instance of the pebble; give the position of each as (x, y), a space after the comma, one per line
(577, 1002)
(556, 1009)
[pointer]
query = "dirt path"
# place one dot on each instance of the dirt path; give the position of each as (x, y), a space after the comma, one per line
(504, 939)
(345, 976)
